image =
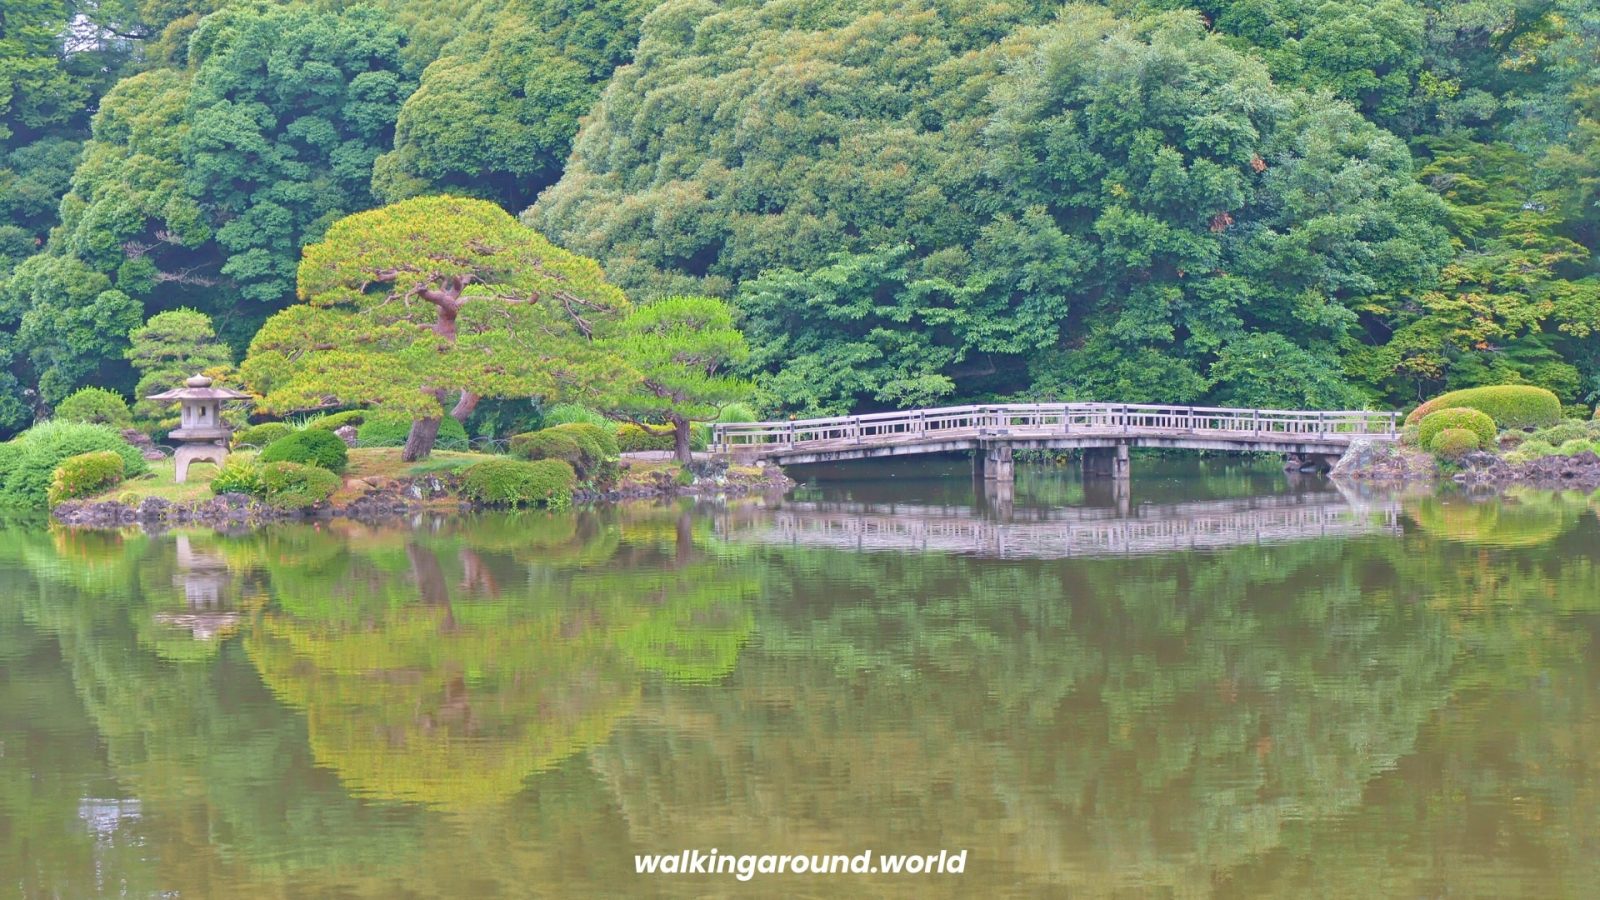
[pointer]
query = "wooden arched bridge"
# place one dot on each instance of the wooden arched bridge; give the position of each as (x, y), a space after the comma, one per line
(1104, 431)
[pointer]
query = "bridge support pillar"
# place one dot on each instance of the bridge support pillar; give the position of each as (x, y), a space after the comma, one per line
(993, 463)
(1103, 462)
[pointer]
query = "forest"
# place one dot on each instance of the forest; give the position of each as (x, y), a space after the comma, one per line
(1286, 203)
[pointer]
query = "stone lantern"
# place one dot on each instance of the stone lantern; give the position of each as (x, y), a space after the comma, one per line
(200, 427)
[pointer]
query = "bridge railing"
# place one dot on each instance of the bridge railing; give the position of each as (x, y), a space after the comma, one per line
(1044, 419)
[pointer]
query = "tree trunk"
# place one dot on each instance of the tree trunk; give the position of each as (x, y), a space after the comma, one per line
(680, 440)
(464, 407)
(419, 443)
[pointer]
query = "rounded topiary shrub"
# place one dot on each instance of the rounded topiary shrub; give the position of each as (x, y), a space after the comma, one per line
(567, 413)
(28, 466)
(596, 440)
(512, 482)
(1559, 434)
(380, 429)
(633, 438)
(1454, 443)
(547, 443)
(292, 485)
(1458, 417)
(1509, 405)
(240, 474)
(85, 475)
(312, 447)
(95, 406)
(261, 435)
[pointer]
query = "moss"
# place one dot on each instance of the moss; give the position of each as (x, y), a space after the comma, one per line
(511, 482)
(1453, 418)
(312, 447)
(1454, 443)
(1509, 405)
(85, 475)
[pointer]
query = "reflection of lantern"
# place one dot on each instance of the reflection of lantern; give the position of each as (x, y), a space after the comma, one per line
(200, 427)
(204, 578)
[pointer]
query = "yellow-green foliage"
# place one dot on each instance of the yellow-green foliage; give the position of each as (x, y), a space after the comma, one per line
(511, 482)
(1439, 421)
(261, 435)
(1410, 435)
(292, 485)
(1575, 446)
(1556, 435)
(1509, 405)
(84, 475)
(1454, 443)
(335, 421)
(633, 438)
(240, 474)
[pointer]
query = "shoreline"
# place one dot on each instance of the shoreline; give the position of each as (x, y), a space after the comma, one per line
(394, 499)
(1385, 463)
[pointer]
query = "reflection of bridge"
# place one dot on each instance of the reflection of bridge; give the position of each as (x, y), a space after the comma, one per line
(1065, 532)
(1104, 431)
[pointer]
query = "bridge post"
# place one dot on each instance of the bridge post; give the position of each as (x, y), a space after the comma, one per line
(1108, 462)
(994, 463)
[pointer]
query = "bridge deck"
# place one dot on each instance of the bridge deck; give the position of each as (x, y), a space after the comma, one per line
(1052, 426)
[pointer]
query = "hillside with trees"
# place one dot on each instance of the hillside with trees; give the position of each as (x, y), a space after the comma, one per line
(901, 202)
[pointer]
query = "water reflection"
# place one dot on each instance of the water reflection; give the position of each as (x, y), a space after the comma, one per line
(1398, 695)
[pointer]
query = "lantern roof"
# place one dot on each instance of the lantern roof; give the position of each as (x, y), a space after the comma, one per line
(198, 387)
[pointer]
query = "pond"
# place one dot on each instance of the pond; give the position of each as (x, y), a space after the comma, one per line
(1221, 682)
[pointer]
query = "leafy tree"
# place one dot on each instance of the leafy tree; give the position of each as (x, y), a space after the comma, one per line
(495, 113)
(433, 303)
(683, 349)
(167, 349)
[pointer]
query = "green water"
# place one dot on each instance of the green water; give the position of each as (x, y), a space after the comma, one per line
(1224, 684)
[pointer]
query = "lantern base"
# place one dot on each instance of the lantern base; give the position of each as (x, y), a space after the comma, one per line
(189, 453)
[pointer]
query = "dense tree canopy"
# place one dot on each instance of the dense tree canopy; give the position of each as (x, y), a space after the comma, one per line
(1293, 202)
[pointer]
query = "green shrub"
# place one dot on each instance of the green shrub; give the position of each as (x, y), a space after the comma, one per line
(1511, 440)
(95, 406)
(1575, 411)
(567, 413)
(336, 421)
(633, 438)
(384, 429)
(1575, 446)
(85, 475)
(312, 447)
(1442, 420)
(1454, 443)
(590, 449)
(241, 474)
(28, 467)
(1570, 430)
(1509, 405)
(261, 435)
(1409, 435)
(738, 412)
(547, 444)
(511, 482)
(596, 440)
(1534, 449)
(292, 485)
(699, 436)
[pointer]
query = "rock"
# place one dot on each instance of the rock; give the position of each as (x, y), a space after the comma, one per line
(346, 433)
(1375, 460)
(141, 442)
